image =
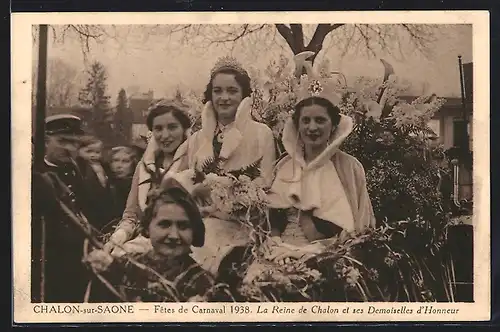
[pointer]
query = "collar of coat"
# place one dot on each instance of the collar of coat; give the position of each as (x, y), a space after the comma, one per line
(233, 135)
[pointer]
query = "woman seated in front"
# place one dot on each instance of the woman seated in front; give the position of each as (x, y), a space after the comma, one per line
(172, 223)
(318, 190)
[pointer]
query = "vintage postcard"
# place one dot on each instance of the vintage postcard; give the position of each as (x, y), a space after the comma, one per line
(251, 167)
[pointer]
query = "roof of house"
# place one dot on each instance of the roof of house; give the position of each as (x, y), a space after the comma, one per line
(138, 107)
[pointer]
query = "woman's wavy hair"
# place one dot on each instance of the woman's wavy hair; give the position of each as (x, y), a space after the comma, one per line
(179, 113)
(243, 81)
(332, 110)
(170, 191)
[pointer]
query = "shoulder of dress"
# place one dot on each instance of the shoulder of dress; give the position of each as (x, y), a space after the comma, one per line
(262, 126)
(193, 139)
(346, 158)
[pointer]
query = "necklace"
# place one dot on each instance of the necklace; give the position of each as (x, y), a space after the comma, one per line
(221, 130)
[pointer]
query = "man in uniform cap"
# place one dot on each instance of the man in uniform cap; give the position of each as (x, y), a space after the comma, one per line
(58, 274)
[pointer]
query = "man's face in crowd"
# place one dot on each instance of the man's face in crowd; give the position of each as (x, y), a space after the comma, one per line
(60, 148)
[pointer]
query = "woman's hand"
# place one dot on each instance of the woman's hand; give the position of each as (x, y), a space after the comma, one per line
(118, 238)
(201, 194)
(99, 260)
(270, 244)
(280, 252)
(285, 253)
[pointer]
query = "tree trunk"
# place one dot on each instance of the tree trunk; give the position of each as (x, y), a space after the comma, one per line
(294, 36)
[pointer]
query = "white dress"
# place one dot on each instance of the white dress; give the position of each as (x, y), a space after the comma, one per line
(293, 233)
(220, 237)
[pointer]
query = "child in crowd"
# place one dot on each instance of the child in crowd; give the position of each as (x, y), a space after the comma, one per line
(96, 175)
(123, 161)
(91, 152)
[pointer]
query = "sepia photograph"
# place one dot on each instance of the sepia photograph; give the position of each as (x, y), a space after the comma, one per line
(212, 162)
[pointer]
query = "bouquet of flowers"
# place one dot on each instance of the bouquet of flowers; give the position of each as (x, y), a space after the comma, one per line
(239, 194)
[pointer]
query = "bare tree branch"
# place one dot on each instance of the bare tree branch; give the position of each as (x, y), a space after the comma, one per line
(367, 39)
(61, 83)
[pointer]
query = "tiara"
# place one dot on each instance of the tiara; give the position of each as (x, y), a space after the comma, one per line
(164, 102)
(228, 62)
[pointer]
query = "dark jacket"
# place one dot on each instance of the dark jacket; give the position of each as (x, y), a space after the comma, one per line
(100, 198)
(55, 236)
(143, 285)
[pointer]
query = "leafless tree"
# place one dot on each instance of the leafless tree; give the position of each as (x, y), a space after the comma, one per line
(86, 35)
(366, 39)
(62, 83)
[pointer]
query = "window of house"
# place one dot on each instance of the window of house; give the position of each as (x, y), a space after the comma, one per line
(435, 124)
(460, 136)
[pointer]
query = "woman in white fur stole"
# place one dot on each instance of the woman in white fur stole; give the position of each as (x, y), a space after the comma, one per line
(318, 191)
(230, 136)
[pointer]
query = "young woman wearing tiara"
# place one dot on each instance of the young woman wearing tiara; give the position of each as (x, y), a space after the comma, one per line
(231, 136)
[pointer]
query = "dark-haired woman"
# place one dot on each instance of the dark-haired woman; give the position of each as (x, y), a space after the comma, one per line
(228, 131)
(230, 135)
(169, 123)
(172, 224)
(318, 190)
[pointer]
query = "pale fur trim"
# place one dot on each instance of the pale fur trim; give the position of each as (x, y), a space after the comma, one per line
(232, 138)
(315, 186)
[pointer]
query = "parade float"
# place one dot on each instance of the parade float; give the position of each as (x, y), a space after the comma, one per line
(409, 256)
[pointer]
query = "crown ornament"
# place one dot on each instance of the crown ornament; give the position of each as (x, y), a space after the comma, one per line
(228, 62)
(314, 83)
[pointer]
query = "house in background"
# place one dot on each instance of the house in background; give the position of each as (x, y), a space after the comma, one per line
(452, 125)
(456, 132)
(139, 105)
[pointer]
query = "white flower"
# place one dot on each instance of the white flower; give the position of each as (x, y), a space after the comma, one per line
(244, 179)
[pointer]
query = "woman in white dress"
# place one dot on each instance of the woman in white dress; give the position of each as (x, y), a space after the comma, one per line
(318, 190)
(230, 135)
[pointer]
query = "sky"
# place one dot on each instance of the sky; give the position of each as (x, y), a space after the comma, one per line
(140, 62)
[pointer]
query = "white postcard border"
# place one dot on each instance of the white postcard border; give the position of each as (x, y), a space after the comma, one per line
(25, 312)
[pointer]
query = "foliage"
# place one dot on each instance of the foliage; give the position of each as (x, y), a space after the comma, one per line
(407, 261)
(402, 175)
(94, 96)
(61, 83)
(122, 119)
(390, 136)
(368, 39)
(94, 93)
